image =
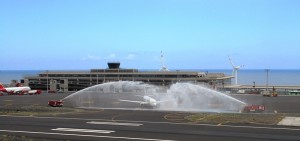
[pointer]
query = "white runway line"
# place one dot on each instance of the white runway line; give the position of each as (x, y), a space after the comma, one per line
(115, 123)
(81, 135)
(83, 130)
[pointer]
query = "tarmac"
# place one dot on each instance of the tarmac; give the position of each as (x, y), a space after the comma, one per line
(111, 124)
(280, 104)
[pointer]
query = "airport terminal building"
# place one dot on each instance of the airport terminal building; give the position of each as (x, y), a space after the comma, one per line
(77, 80)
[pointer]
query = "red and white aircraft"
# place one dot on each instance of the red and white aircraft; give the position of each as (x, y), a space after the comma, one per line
(34, 92)
(19, 90)
(147, 100)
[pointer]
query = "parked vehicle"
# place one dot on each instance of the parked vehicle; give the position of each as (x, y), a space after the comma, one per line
(56, 103)
(254, 108)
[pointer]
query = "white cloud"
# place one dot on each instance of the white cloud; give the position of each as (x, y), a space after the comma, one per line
(91, 57)
(111, 56)
(130, 56)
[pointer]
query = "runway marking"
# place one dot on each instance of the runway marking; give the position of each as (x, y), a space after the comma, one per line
(7, 100)
(212, 125)
(81, 135)
(115, 123)
(83, 130)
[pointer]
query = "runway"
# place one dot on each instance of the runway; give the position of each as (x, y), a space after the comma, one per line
(119, 125)
(112, 125)
(280, 104)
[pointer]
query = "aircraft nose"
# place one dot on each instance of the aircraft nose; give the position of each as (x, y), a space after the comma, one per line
(154, 104)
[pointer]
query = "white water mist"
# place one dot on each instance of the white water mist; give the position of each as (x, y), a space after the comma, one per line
(178, 97)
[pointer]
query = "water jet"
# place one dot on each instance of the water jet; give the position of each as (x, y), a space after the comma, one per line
(178, 97)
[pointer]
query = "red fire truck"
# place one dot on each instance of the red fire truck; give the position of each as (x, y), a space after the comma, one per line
(56, 103)
(254, 108)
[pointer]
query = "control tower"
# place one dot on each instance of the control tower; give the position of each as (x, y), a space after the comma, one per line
(113, 65)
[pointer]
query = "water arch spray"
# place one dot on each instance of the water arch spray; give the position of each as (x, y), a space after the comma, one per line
(178, 97)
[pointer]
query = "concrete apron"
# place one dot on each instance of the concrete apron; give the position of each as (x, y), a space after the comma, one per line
(290, 121)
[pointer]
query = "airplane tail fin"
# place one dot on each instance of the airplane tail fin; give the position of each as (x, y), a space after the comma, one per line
(19, 85)
(1, 86)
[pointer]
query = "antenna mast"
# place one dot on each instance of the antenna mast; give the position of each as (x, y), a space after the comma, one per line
(163, 67)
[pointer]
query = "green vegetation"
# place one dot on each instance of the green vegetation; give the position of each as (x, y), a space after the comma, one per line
(24, 138)
(229, 118)
(37, 111)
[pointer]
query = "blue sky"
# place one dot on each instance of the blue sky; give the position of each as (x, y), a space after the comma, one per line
(193, 34)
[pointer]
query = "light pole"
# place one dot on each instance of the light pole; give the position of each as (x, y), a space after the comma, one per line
(47, 81)
(97, 78)
(267, 88)
(177, 79)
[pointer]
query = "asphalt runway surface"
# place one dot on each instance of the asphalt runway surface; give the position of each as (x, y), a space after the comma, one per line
(280, 104)
(111, 125)
(136, 125)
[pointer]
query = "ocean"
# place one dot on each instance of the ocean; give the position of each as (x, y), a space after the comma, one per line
(7, 75)
(259, 76)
